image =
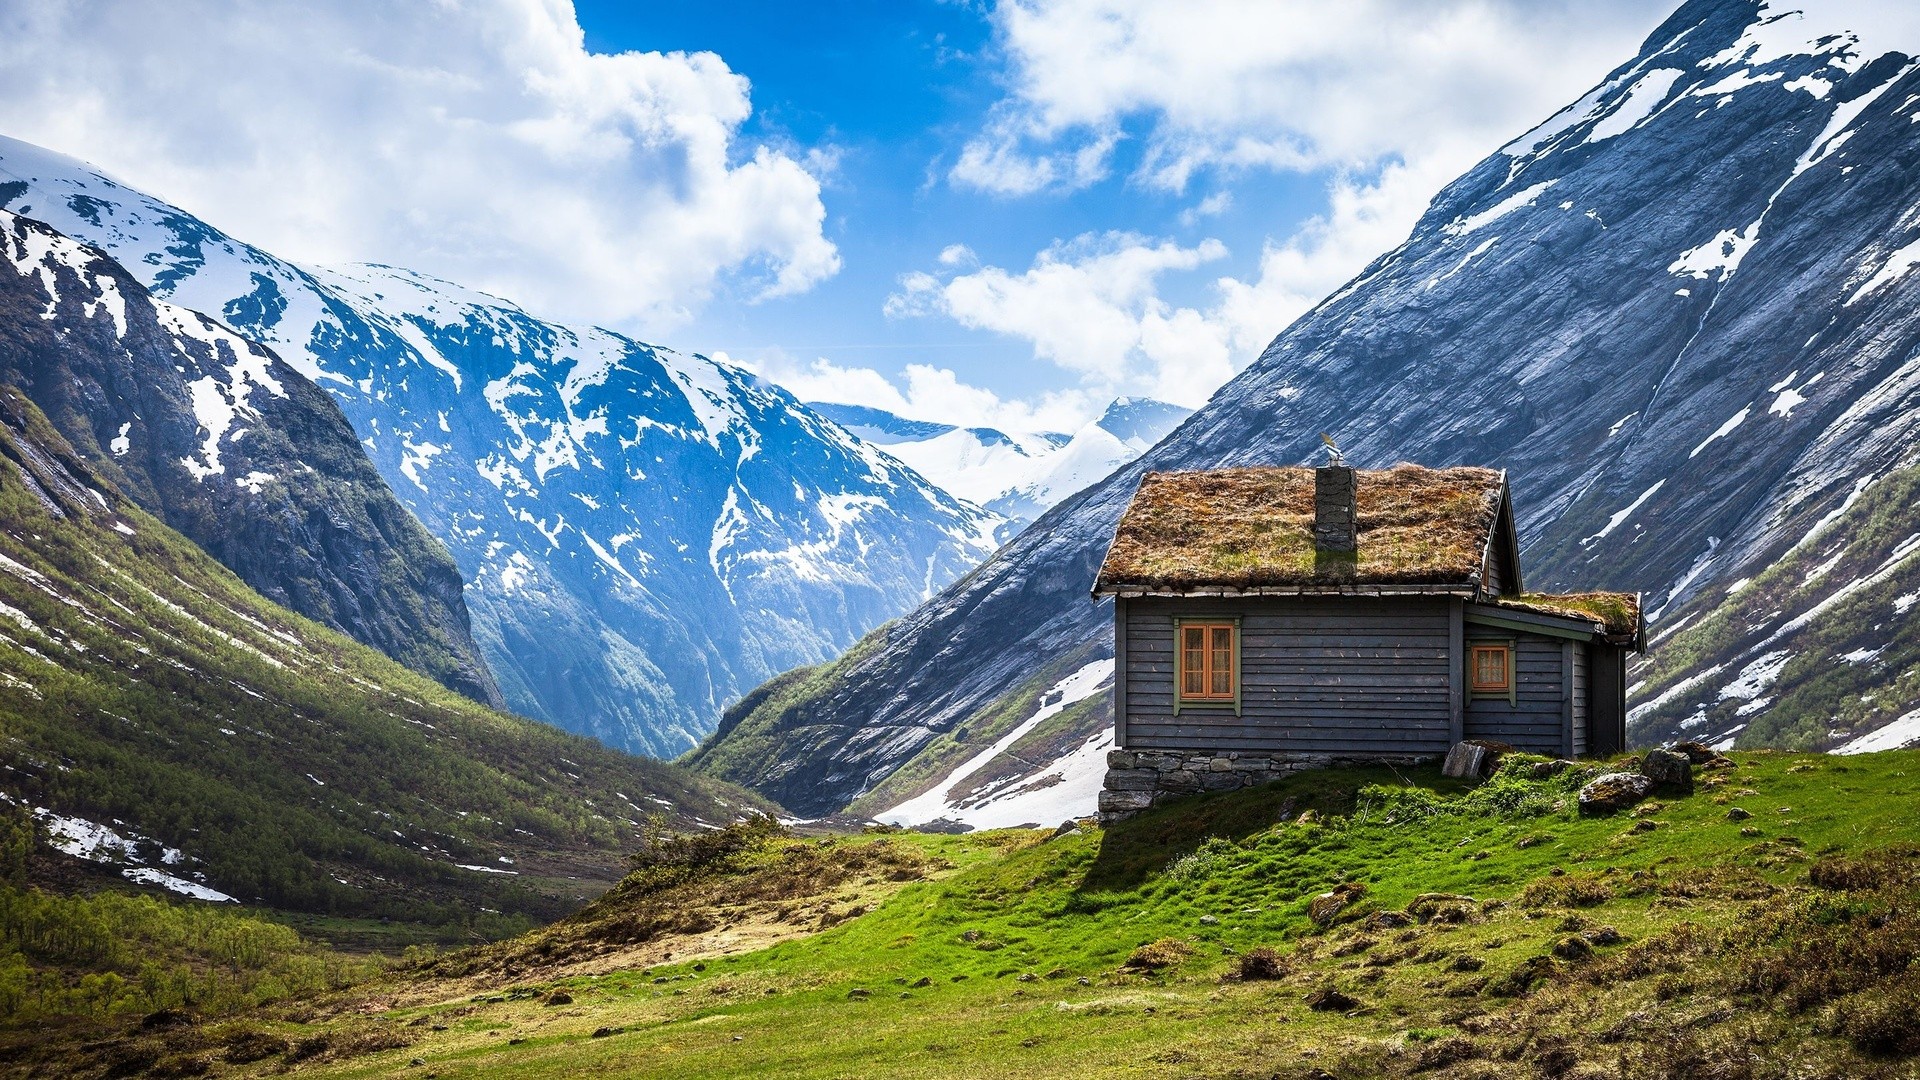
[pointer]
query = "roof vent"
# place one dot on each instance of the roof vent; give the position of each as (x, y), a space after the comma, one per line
(1333, 508)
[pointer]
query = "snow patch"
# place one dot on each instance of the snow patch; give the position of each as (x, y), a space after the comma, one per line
(1523, 197)
(1078, 779)
(146, 875)
(1902, 732)
(1723, 430)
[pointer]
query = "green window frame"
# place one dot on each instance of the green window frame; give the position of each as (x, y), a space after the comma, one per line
(1206, 663)
(1481, 686)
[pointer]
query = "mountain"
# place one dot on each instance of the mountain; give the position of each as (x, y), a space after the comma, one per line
(645, 535)
(1679, 312)
(170, 723)
(226, 443)
(1018, 476)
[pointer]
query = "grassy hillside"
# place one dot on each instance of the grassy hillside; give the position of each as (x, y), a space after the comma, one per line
(1763, 926)
(191, 732)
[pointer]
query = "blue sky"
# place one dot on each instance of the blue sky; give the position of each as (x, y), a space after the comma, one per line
(997, 211)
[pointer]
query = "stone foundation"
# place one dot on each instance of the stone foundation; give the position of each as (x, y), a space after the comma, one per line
(1139, 779)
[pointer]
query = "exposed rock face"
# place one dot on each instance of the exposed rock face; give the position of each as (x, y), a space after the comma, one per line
(1613, 793)
(1679, 313)
(223, 441)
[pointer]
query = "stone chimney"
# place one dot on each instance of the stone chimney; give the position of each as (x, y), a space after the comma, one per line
(1333, 509)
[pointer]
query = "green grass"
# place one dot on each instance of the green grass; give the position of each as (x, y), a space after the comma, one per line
(1015, 962)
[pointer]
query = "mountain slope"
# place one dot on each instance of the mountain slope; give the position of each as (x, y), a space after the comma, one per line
(164, 719)
(1679, 312)
(645, 535)
(1018, 476)
(229, 445)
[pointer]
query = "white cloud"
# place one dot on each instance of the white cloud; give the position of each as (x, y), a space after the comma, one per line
(1389, 100)
(480, 142)
(1235, 85)
(1090, 306)
(925, 392)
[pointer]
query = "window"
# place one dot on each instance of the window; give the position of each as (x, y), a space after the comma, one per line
(1209, 662)
(1490, 669)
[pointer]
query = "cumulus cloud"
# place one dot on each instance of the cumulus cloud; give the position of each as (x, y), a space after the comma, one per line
(1092, 306)
(1388, 100)
(925, 392)
(481, 142)
(1235, 85)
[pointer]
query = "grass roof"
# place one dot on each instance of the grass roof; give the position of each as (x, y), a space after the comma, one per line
(1617, 613)
(1253, 527)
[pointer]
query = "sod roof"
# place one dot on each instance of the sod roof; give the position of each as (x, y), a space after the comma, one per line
(1617, 614)
(1253, 527)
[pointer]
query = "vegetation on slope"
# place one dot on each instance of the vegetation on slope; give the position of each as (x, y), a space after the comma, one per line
(1763, 926)
(1822, 646)
(146, 689)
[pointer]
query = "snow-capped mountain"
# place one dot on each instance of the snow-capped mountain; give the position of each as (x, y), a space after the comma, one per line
(645, 534)
(228, 444)
(1681, 312)
(1016, 475)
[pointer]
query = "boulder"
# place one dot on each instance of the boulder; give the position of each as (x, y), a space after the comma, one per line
(1614, 792)
(1465, 761)
(1474, 758)
(1328, 905)
(1668, 769)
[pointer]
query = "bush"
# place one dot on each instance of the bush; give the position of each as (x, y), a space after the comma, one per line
(1164, 953)
(1262, 962)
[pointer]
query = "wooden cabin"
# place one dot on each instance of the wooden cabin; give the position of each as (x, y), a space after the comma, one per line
(1273, 619)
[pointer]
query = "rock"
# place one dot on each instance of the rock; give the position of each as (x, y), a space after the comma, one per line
(1735, 813)
(559, 997)
(1068, 828)
(1209, 920)
(1465, 761)
(921, 983)
(1328, 905)
(1386, 920)
(1697, 753)
(1613, 793)
(1466, 964)
(859, 993)
(601, 1033)
(1122, 759)
(1133, 780)
(1606, 935)
(1328, 999)
(1573, 949)
(1122, 802)
(1543, 770)
(1083, 981)
(1668, 769)
(1026, 976)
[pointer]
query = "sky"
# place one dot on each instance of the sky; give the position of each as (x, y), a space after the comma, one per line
(999, 212)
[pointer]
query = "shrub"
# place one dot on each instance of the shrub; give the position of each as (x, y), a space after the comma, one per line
(1164, 953)
(1262, 962)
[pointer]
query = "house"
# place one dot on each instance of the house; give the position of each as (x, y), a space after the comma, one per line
(1272, 619)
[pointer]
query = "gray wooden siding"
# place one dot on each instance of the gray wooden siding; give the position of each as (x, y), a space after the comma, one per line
(1493, 576)
(1344, 676)
(1535, 720)
(1582, 698)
